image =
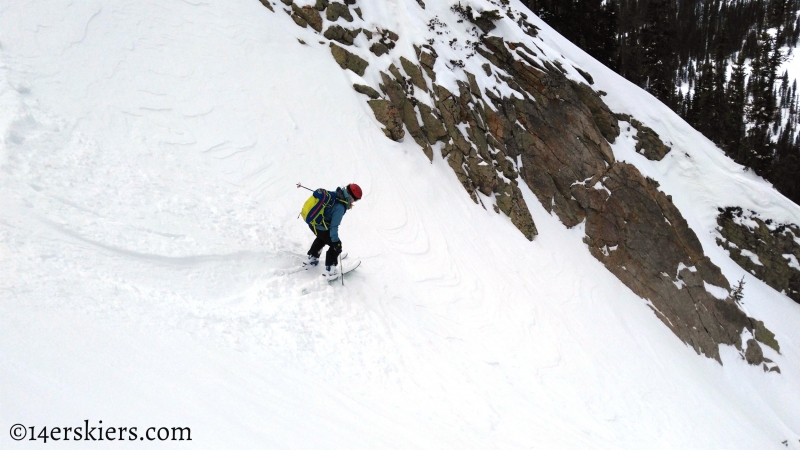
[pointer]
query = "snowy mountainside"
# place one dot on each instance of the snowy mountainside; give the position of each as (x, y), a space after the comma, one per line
(522, 119)
(150, 245)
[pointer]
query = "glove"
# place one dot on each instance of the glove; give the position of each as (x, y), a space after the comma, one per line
(337, 246)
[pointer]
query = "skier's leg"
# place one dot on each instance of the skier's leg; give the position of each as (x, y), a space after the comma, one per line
(332, 256)
(323, 239)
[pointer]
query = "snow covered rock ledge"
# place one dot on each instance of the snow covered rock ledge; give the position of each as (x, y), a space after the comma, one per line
(775, 248)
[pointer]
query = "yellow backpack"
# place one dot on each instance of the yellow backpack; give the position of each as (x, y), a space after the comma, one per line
(313, 211)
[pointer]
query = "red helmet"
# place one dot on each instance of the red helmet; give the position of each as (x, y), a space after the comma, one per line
(354, 190)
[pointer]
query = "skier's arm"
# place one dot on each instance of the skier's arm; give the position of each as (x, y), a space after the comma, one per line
(336, 219)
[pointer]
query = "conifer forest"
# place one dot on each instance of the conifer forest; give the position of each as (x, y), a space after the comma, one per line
(715, 62)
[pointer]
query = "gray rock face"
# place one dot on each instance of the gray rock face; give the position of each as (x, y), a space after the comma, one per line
(415, 73)
(336, 10)
(485, 20)
(399, 93)
(379, 48)
(299, 21)
(267, 4)
(428, 59)
(641, 237)
(480, 167)
(386, 42)
(347, 60)
(560, 129)
(432, 123)
(648, 143)
(366, 90)
(553, 132)
(603, 118)
(754, 355)
(309, 15)
(389, 116)
(765, 336)
(341, 35)
(774, 246)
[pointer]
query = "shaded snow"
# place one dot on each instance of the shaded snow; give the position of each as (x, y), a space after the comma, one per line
(792, 261)
(718, 292)
(752, 256)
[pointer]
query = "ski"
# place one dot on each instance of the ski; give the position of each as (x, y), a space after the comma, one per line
(345, 269)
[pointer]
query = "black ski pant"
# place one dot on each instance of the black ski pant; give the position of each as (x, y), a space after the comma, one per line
(334, 249)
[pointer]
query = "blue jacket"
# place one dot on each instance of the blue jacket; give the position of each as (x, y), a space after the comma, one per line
(333, 215)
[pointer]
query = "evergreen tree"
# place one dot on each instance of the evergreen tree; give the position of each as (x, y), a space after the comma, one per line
(680, 51)
(700, 116)
(659, 60)
(786, 165)
(762, 107)
(590, 24)
(735, 101)
(605, 50)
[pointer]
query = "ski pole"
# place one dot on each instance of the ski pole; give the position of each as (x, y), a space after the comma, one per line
(341, 268)
(301, 186)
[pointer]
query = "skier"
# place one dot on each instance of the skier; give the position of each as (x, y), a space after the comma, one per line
(345, 197)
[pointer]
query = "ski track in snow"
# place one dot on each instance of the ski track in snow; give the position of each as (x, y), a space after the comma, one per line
(151, 254)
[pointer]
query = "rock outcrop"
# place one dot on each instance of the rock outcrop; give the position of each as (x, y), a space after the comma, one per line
(348, 60)
(389, 116)
(552, 133)
(267, 4)
(341, 34)
(336, 10)
(560, 129)
(626, 222)
(648, 143)
(366, 90)
(769, 251)
(385, 42)
(308, 15)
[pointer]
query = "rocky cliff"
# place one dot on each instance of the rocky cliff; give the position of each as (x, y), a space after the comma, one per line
(767, 249)
(524, 118)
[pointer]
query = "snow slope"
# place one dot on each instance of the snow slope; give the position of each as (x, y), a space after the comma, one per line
(149, 246)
